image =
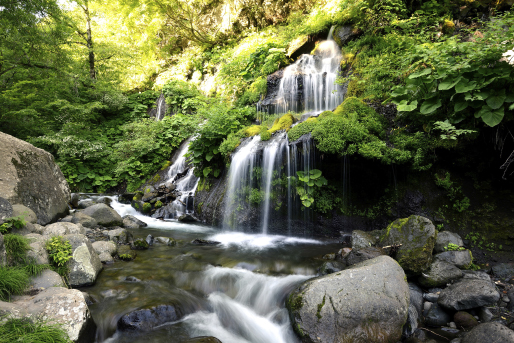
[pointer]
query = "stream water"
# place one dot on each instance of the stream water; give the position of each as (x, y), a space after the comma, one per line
(234, 291)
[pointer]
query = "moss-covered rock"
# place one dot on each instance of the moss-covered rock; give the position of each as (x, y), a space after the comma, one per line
(283, 123)
(147, 207)
(417, 236)
(140, 244)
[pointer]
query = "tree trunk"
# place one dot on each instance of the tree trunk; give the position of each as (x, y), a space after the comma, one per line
(89, 42)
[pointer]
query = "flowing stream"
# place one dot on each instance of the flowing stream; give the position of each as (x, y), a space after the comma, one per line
(234, 291)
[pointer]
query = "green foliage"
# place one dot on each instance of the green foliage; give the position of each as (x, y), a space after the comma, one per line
(265, 135)
(230, 143)
(283, 123)
(255, 197)
(453, 247)
(183, 97)
(16, 247)
(460, 202)
(59, 251)
(126, 257)
(13, 281)
(12, 223)
(301, 129)
(158, 204)
(139, 103)
(147, 207)
(24, 330)
(307, 182)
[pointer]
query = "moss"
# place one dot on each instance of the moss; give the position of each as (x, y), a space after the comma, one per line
(156, 178)
(203, 185)
(138, 196)
(294, 303)
(265, 135)
(320, 306)
(166, 165)
(147, 207)
(136, 206)
(158, 204)
(355, 88)
(448, 27)
(127, 257)
(284, 123)
(199, 208)
(140, 244)
(252, 130)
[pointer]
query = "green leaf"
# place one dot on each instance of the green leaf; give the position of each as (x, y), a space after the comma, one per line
(299, 173)
(496, 100)
(420, 73)
(465, 86)
(216, 172)
(206, 171)
(449, 83)
(511, 107)
(491, 117)
(404, 106)
(460, 105)
(310, 183)
(209, 156)
(430, 106)
(315, 173)
(509, 97)
(307, 203)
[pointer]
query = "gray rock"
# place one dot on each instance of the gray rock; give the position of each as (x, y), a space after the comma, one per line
(461, 259)
(504, 270)
(84, 219)
(149, 196)
(74, 200)
(355, 303)
(417, 236)
(31, 177)
(446, 237)
(485, 315)
(119, 236)
(149, 239)
(466, 294)
(132, 279)
(166, 240)
(464, 320)
(426, 307)
(61, 229)
(187, 218)
(202, 339)
(66, 219)
(475, 274)
(437, 316)
(330, 267)
(131, 222)
(83, 204)
(490, 333)
(38, 252)
(358, 255)
(361, 239)
(146, 319)
(19, 210)
(107, 247)
(48, 278)
(106, 258)
(344, 34)
(432, 297)
(416, 298)
(412, 322)
(104, 200)
(439, 274)
(5, 210)
(104, 215)
(3, 254)
(85, 265)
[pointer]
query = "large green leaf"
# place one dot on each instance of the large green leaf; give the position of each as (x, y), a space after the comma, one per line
(465, 86)
(509, 97)
(430, 106)
(404, 106)
(209, 156)
(206, 171)
(460, 105)
(420, 73)
(307, 203)
(496, 100)
(449, 83)
(491, 117)
(315, 173)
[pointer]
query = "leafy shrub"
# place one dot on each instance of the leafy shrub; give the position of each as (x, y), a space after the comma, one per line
(265, 135)
(126, 257)
(255, 197)
(24, 330)
(183, 97)
(301, 129)
(59, 251)
(453, 247)
(13, 280)
(12, 223)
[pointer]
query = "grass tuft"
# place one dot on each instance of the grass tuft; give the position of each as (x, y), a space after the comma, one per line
(25, 331)
(13, 281)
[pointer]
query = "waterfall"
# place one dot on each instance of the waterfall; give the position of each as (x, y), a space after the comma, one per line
(309, 85)
(161, 107)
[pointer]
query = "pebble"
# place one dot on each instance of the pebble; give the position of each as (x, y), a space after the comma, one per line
(453, 325)
(432, 297)
(506, 299)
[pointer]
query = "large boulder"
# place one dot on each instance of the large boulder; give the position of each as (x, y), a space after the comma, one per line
(105, 247)
(131, 222)
(439, 274)
(146, 319)
(361, 239)
(48, 278)
(38, 252)
(63, 228)
(461, 259)
(119, 236)
(84, 265)
(446, 237)
(466, 294)
(84, 219)
(417, 236)
(19, 210)
(344, 34)
(358, 255)
(490, 333)
(5, 210)
(31, 177)
(104, 215)
(356, 304)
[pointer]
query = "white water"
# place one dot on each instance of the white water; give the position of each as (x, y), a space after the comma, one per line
(258, 241)
(161, 108)
(319, 73)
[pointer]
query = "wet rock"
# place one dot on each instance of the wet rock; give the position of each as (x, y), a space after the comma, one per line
(330, 267)
(38, 252)
(464, 320)
(329, 257)
(140, 244)
(485, 315)
(5, 210)
(490, 333)
(461, 259)
(437, 316)
(342, 253)
(131, 222)
(352, 304)
(203, 339)
(361, 239)
(417, 236)
(412, 322)
(149, 196)
(359, 255)
(125, 253)
(466, 294)
(104, 215)
(48, 278)
(146, 319)
(439, 274)
(84, 219)
(504, 270)
(344, 34)
(84, 265)
(30, 176)
(83, 204)
(446, 237)
(105, 258)
(475, 275)
(187, 218)
(74, 200)
(432, 297)
(416, 298)
(149, 239)
(119, 236)
(107, 247)
(66, 219)
(126, 198)
(19, 210)
(104, 200)
(61, 229)
(203, 242)
(132, 279)
(166, 240)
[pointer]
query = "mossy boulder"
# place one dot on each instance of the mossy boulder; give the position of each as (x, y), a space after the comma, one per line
(283, 123)
(417, 236)
(140, 244)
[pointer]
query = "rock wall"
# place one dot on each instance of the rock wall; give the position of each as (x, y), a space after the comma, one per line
(30, 176)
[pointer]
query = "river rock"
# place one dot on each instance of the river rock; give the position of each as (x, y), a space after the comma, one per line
(352, 304)
(475, 275)
(203, 339)
(48, 278)
(361, 239)
(140, 244)
(85, 265)
(490, 333)
(84, 219)
(187, 218)
(437, 316)
(439, 274)
(461, 259)
(146, 319)
(330, 267)
(105, 258)
(107, 247)
(5, 210)
(446, 237)
(149, 239)
(504, 270)
(119, 236)
(38, 252)
(31, 177)
(166, 240)
(417, 235)
(63, 228)
(129, 254)
(358, 255)
(19, 210)
(104, 215)
(126, 198)
(83, 204)
(416, 298)
(199, 241)
(131, 222)
(74, 200)
(464, 320)
(466, 294)
(344, 34)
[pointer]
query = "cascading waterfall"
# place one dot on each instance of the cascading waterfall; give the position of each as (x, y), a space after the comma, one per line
(309, 85)
(161, 107)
